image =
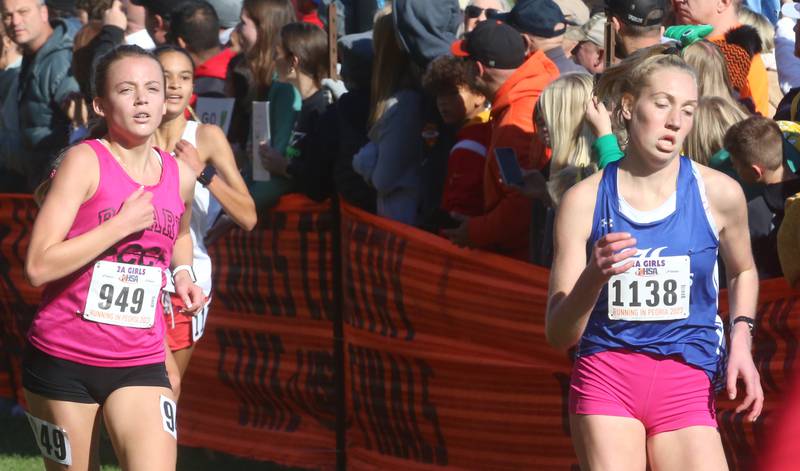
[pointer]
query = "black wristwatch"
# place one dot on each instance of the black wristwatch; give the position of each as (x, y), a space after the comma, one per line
(751, 323)
(206, 175)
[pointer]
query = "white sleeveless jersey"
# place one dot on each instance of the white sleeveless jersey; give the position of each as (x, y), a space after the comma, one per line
(205, 210)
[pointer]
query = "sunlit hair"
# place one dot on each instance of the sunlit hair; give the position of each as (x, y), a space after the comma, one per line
(560, 182)
(713, 117)
(269, 16)
(632, 75)
(712, 72)
(562, 107)
(766, 31)
(392, 68)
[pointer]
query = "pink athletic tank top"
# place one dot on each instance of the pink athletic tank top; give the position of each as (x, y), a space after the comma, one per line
(59, 328)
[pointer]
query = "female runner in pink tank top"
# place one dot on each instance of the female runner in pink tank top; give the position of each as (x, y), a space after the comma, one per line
(115, 218)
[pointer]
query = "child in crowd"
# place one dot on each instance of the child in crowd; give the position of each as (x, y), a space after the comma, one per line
(756, 152)
(448, 79)
(301, 59)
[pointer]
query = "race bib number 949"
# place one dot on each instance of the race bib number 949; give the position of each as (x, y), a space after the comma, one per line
(123, 294)
(654, 289)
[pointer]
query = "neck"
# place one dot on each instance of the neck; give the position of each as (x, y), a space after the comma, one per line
(633, 44)
(169, 132)
(781, 174)
(202, 56)
(724, 22)
(305, 85)
(132, 153)
(646, 186)
(547, 44)
(33, 46)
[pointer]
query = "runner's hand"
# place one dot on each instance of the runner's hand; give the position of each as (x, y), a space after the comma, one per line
(610, 255)
(191, 294)
(740, 365)
(186, 152)
(137, 212)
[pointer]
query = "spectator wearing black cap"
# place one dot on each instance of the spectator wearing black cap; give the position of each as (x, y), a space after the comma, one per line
(157, 19)
(637, 24)
(543, 25)
(195, 27)
(513, 84)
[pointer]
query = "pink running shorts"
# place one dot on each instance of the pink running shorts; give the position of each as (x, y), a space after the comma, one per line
(663, 393)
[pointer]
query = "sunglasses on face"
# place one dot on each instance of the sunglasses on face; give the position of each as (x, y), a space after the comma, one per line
(473, 12)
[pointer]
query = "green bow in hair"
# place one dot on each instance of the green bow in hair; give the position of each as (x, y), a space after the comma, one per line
(688, 34)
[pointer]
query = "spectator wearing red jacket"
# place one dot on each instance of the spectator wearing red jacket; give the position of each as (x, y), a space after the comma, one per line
(514, 84)
(460, 104)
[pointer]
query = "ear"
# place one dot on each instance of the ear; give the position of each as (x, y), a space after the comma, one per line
(601, 57)
(160, 23)
(97, 106)
(627, 106)
(481, 69)
(617, 24)
(757, 171)
(295, 62)
(181, 42)
(44, 12)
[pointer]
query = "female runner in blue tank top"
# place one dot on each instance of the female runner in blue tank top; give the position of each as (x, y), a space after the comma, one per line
(634, 285)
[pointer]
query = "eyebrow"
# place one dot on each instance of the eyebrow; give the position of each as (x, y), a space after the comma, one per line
(128, 82)
(672, 98)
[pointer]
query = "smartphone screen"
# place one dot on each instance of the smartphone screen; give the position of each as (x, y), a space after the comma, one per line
(510, 171)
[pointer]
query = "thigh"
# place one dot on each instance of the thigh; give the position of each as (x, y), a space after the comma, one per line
(142, 427)
(698, 448)
(78, 420)
(609, 443)
(182, 358)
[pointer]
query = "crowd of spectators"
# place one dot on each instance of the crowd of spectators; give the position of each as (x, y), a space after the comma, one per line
(408, 123)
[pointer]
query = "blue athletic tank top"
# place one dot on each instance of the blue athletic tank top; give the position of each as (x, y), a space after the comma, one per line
(675, 275)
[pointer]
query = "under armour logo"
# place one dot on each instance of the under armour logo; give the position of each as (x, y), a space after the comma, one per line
(606, 222)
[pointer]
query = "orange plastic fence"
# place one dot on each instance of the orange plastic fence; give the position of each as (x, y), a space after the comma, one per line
(444, 361)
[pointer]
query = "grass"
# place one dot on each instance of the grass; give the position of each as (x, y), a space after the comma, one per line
(18, 452)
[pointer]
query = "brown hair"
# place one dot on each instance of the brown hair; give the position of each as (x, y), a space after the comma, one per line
(269, 16)
(446, 74)
(756, 140)
(309, 45)
(94, 8)
(392, 67)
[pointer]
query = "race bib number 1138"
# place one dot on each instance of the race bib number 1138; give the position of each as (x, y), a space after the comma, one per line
(654, 289)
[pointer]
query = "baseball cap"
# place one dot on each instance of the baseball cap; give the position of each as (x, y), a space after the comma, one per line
(638, 12)
(592, 31)
(493, 44)
(228, 11)
(537, 17)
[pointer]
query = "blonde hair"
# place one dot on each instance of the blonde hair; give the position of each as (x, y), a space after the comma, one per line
(392, 68)
(712, 119)
(712, 72)
(766, 31)
(631, 75)
(562, 107)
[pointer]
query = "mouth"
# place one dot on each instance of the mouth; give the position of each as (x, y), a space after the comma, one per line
(174, 98)
(141, 117)
(666, 143)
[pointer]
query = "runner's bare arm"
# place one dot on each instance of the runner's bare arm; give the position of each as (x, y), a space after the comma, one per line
(729, 210)
(51, 257)
(182, 253)
(574, 284)
(230, 190)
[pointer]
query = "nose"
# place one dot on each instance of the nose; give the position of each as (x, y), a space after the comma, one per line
(141, 97)
(674, 119)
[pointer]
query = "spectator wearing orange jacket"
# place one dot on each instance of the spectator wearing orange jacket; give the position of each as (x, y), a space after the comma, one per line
(514, 85)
